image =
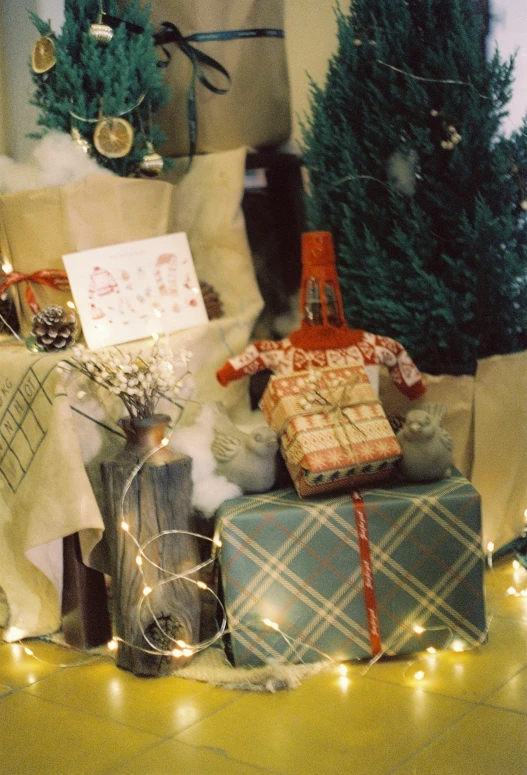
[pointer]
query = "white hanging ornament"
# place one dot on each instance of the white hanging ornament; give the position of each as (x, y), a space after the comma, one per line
(152, 162)
(402, 171)
(102, 33)
(83, 144)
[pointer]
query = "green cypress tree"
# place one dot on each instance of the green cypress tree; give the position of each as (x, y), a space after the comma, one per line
(423, 196)
(91, 78)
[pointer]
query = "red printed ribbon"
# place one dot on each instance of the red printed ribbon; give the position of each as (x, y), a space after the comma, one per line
(53, 278)
(367, 573)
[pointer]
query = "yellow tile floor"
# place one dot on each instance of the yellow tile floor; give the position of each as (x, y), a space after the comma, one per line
(466, 716)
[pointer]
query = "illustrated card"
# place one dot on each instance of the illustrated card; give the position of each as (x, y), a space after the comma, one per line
(135, 289)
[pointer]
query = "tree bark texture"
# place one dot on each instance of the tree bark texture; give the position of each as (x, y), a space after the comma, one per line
(158, 499)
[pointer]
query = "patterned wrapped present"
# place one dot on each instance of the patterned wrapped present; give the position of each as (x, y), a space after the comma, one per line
(333, 431)
(352, 580)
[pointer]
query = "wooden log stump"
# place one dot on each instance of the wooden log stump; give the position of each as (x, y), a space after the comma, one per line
(154, 500)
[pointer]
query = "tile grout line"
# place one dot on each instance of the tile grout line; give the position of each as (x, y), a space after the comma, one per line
(429, 742)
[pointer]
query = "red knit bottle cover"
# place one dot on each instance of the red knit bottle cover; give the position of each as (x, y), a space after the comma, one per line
(323, 323)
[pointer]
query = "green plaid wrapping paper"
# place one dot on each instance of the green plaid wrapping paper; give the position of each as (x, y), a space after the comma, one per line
(295, 562)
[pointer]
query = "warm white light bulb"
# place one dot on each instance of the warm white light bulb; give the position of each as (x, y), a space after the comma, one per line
(187, 652)
(139, 560)
(458, 645)
(419, 675)
(343, 670)
(112, 644)
(217, 542)
(516, 565)
(7, 267)
(271, 624)
(201, 585)
(28, 651)
(343, 682)
(418, 629)
(431, 650)
(177, 653)
(125, 526)
(181, 644)
(14, 633)
(164, 442)
(511, 591)
(70, 304)
(146, 590)
(490, 546)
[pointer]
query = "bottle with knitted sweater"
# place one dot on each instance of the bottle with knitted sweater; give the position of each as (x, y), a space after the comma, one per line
(324, 338)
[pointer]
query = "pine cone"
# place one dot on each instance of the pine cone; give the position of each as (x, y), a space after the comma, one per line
(396, 421)
(54, 328)
(213, 303)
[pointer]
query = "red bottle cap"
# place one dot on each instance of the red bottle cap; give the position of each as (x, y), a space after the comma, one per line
(317, 249)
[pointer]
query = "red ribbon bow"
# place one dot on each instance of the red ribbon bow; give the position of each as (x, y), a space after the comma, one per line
(53, 278)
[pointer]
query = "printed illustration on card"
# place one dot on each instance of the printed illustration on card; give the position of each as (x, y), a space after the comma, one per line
(135, 289)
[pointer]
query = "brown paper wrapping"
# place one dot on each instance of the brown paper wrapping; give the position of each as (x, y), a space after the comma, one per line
(456, 394)
(256, 109)
(499, 472)
(486, 415)
(38, 227)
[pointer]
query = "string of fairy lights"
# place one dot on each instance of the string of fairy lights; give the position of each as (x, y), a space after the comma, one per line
(414, 669)
(181, 650)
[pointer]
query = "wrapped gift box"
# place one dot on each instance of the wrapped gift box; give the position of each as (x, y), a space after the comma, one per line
(333, 430)
(296, 564)
(249, 107)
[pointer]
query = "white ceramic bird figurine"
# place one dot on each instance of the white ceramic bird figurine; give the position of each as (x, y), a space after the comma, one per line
(426, 446)
(247, 459)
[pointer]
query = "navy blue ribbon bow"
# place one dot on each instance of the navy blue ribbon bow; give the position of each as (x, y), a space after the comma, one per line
(169, 33)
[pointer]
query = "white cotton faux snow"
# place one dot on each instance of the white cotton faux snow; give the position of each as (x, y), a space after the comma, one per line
(55, 160)
(210, 489)
(402, 170)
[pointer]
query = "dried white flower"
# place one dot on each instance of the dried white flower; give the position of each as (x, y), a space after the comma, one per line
(138, 380)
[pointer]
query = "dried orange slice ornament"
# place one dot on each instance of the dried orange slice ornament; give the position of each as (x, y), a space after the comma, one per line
(43, 55)
(113, 137)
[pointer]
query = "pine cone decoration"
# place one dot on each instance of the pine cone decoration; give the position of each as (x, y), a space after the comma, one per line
(397, 421)
(213, 303)
(54, 328)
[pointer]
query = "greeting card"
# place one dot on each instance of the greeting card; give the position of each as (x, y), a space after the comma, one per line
(135, 289)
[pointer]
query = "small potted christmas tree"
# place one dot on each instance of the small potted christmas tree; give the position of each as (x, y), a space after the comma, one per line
(99, 80)
(426, 199)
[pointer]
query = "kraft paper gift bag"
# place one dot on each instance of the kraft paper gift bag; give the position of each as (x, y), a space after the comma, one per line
(38, 227)
(255, 110)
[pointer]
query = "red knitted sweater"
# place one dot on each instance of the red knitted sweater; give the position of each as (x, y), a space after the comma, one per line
(297, 353)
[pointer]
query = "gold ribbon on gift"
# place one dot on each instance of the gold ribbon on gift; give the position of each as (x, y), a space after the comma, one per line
(332, 403)
(53, 278)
